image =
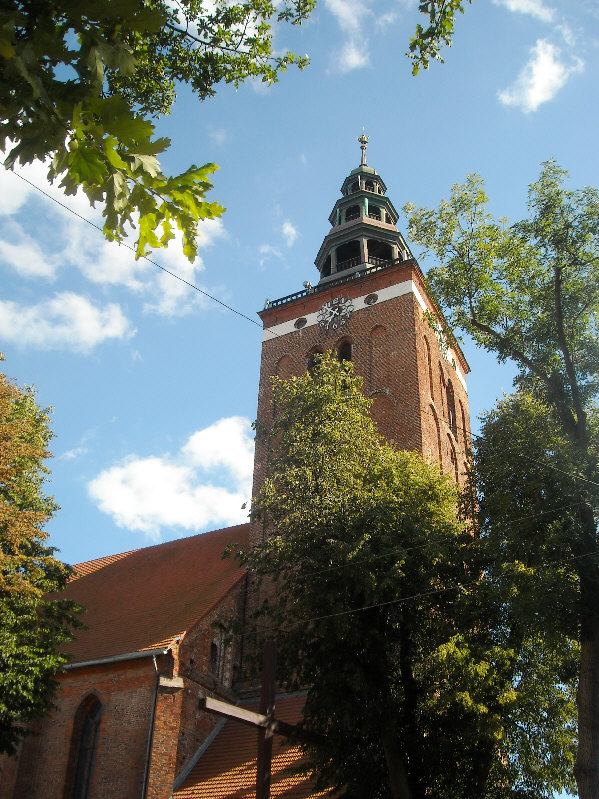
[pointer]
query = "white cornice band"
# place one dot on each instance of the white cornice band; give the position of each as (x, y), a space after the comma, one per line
(383, 294)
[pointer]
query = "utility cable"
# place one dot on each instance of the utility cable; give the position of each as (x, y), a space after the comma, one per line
(145, 257)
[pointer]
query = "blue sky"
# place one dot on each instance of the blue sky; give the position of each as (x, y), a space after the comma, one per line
(153, 385)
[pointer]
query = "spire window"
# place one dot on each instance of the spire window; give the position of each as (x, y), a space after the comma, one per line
(348, 255)
(353, 212)
(379, 252)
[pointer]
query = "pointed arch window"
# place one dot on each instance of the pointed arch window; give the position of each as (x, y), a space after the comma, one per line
(454, 461)
(84, 746)
(451, 414)
(430, 367)
(464, 430)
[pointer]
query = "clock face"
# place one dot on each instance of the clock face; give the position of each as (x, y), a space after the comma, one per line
(335, 313)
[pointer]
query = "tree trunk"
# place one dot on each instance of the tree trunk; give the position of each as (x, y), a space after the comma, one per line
(398, 776)
(586, 768)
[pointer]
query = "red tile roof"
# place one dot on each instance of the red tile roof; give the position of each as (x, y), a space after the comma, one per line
(227, 769)
(145, 598)
(81, 569)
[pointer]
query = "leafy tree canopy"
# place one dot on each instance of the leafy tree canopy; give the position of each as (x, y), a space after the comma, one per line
(428, 40)
(32, 627)
(530, 292)
(417, 679)
(80, 81)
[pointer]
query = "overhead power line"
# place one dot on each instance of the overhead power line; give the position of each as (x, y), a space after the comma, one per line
(145, 257)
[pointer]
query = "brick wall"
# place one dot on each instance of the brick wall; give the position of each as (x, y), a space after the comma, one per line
(397, 353)
(125, 691)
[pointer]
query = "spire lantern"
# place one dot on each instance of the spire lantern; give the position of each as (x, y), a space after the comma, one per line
(363, 139)
(363, 222)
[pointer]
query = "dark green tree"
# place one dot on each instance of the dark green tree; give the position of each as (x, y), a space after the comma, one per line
(32, 626)
(375, 589)
(529, 292)
(80, 81)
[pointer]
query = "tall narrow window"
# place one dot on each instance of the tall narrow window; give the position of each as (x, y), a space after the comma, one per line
(464, 431)
(451, 416)
(84, 747)
(214, 658)
(430, 367)
(438, 431)
(344, 351)
(454, 461)
(442, 390)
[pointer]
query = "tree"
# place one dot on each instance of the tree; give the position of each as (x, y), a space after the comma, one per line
(32, 626)
(378, 604)
(427, 42)
(80, 81)
(530, 292)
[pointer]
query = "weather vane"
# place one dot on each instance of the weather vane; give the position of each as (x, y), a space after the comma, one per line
(363, 139)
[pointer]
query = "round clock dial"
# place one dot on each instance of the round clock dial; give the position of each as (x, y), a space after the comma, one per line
(335, 313)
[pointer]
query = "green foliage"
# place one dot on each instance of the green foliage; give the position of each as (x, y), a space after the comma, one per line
(32, 626)
(428, 41)
(530, 292)
(80, 80)
(380, 606)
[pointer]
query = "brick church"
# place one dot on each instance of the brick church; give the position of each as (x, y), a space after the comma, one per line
(128, 722)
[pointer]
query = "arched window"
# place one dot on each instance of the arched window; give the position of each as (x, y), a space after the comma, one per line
(451, 417)
(438, 431)
(284, 367)
(379, 252)
(464, 431)
(442, 389)
(214, 658)
(348, 255)
(84, 746)
(454, 460)
(430, 367)
(353, 212)
(344, 351)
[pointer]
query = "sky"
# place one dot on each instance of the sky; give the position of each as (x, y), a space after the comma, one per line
(153, 384)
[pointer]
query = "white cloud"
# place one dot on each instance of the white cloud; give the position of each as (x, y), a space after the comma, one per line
(348, 13)
(353, 55)
(66, 322)
(22, 254)
(267, 251)
(71, 454)
(536, 8)
(384, 21)
(289, 232)
(106, 263)
(227, 443)
(205, 483)
(350, 16)
(540, 79)
(219, 136)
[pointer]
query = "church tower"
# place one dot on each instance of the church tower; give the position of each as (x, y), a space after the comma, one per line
(371, 306)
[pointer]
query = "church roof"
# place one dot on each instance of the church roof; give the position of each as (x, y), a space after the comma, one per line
(227, 768)
(145, 598)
